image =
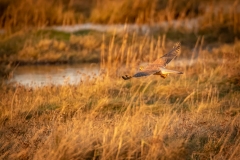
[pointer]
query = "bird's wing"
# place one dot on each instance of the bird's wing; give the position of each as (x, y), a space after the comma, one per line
(167, 71)
(145, 73)
(165, 59)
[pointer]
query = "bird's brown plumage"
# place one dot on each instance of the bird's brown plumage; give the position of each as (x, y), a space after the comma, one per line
(158, 66)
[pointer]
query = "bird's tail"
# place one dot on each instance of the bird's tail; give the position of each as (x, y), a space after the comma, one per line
(167, 71)
(126, 77)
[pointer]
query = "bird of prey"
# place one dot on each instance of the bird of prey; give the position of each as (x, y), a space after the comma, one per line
(158, 66)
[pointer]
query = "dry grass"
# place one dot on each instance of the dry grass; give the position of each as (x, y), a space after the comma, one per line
(48, 46)
(218, 22)
(24, 14)
(192, 116)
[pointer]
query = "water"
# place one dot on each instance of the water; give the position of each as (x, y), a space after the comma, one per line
(190, 24)
(42, 75)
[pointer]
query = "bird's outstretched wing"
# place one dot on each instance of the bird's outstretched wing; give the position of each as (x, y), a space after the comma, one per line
(141, 74)
(165, 59)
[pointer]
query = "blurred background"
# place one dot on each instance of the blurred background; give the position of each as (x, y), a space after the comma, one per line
(212, 15)
(77, 31)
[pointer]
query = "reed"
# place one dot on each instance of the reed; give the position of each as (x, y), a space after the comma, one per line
(25, 14)
(193, 116)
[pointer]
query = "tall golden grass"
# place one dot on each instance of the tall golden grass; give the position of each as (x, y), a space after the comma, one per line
(192, 116)
(22, 14)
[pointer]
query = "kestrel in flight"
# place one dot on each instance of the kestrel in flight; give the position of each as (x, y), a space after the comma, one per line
(158, 66)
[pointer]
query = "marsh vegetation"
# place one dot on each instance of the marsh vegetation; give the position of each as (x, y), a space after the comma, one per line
(191, 116)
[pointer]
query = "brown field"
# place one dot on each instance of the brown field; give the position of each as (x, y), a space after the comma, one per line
(191, 116)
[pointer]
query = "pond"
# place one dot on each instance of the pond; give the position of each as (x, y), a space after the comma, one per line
(42, 75)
